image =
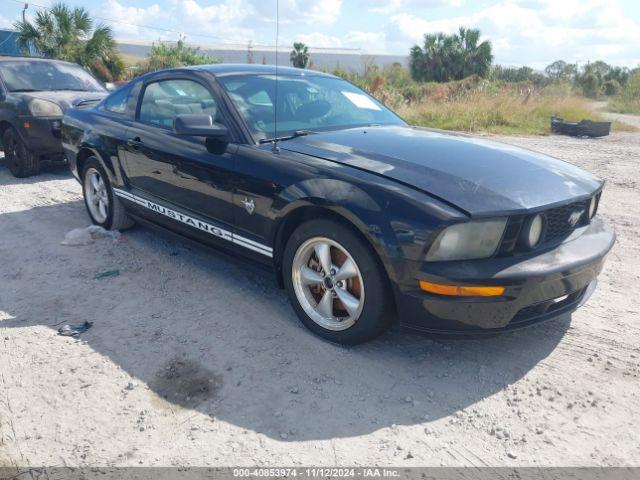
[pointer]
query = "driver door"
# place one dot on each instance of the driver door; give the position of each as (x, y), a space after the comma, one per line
(188, 174)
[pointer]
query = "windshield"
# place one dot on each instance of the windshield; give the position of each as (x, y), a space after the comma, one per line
(35, 76)
(304, 103)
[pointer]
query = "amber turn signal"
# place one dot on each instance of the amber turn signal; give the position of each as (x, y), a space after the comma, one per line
(26, 124)
(461, 291)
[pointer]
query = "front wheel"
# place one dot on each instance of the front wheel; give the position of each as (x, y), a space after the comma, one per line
(336, 284)
(104, 208)
(20, 160)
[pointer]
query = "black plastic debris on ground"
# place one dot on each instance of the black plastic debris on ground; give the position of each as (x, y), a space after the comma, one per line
(72, 330)
(583, 128)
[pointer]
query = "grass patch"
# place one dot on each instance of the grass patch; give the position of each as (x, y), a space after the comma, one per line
(624, 105)
(130, 60)
(498, 112)
(628, 101)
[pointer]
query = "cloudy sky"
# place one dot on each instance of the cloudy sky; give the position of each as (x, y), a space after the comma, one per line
(531, 32)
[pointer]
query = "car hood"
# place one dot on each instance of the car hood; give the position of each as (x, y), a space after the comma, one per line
(65, 99)
(479, 176)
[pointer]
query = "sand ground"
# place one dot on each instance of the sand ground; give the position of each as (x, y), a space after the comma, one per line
(245, 384)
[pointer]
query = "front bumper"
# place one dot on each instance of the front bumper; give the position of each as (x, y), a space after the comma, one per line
(42, 136)
(536, 287)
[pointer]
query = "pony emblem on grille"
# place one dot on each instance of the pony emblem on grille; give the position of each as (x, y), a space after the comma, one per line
(574, 218)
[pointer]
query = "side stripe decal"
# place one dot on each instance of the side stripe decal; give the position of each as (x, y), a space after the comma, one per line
(195, 223)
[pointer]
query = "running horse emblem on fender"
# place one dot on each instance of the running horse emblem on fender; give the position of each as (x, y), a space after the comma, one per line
(248, 205)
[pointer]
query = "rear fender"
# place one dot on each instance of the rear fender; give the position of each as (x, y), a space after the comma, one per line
(104, 149)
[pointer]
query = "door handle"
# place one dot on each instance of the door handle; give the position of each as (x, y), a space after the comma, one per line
(134, 143)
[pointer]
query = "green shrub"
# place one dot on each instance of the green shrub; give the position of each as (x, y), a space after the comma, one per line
(611, 87)
(590, 85)
(632, 88)
(629, 99)
(179, 54)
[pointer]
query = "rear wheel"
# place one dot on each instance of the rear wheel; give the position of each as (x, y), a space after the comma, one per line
(20, 161)
(336, 284)
(104, 208)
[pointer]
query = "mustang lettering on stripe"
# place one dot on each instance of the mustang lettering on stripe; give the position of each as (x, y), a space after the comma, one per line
(195, 223)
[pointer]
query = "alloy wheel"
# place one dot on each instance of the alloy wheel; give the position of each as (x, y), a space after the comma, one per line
(328, 283)
(95, 191)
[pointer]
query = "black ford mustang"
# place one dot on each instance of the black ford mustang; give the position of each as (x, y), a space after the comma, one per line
(364, 219)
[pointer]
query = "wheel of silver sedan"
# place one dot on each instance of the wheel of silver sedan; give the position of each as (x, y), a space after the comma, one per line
(328, 283)
(97, 197)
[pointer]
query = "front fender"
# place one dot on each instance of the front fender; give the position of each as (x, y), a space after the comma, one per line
(398, 223)
(348, 202)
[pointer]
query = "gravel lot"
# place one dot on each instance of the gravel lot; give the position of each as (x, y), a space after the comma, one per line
(196, 359)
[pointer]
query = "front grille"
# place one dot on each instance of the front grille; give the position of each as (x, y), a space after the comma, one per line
(558, 220)
(559, 224)
(530, 313)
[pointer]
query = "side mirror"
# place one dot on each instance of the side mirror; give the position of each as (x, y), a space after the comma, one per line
(199, 125)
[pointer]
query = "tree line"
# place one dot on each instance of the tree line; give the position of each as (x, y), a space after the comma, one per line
(443, 58)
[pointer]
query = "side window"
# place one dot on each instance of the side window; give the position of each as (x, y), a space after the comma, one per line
(163, 100)
(117, 101)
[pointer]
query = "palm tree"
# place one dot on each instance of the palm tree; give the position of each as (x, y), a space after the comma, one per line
(299, 56)
(476, 57)
(69, 34)
(450, 57)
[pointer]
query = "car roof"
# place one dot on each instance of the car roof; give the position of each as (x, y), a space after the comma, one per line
(228, 69)
(17, 58)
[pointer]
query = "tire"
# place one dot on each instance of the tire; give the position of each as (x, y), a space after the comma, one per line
(372, 311)
(114, 215)
(20, 161)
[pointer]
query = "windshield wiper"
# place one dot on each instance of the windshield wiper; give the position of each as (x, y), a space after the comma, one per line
(72, 90)
(296, 134)
(20, 90)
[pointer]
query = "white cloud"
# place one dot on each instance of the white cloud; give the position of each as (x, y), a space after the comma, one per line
(366, 40)
(126, 18)
(539, 31)
(391, 6)
(317, 39)
(413, 28)
(354, 39)
(222, 22)
(298, 11)
(326, 11)
(5, 22)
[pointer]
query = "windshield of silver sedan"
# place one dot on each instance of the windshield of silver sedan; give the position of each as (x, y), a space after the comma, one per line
(306, 103)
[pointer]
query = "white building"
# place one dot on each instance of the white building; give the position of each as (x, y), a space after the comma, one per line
(354, 60)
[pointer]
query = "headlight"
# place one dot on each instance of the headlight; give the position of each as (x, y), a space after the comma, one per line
(44, 108)
(466, 241)
(592, 207)
(532, 231)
